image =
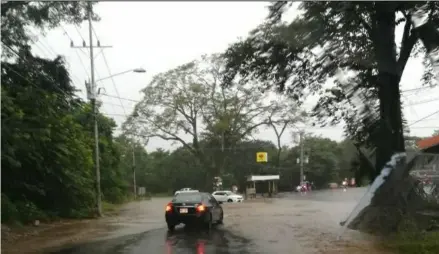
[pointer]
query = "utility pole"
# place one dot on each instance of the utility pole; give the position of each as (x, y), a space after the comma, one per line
(134, 172)
(92, 96)
(301, 135)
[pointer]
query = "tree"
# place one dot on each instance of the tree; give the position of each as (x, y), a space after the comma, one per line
(114, 185)
(46, 160)
(330, 38)
(284, 113)
(47, 166)
(355, 41)
(18, 16)
(191, 100)
(323, 166)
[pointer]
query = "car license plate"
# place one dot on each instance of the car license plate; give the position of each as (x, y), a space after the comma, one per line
(183, 210)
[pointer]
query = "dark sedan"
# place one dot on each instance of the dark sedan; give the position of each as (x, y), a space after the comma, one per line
(193, 208)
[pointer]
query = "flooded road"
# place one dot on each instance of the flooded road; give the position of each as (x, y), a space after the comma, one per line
(288, 224)
(183, 240)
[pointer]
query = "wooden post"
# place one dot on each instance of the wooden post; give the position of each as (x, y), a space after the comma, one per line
(270, 188)
(254, 186)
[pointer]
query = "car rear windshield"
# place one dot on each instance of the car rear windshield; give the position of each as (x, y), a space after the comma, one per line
(187, 197)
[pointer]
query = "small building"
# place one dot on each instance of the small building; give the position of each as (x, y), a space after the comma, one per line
(259, 180)
(428, 165)
(429, 145)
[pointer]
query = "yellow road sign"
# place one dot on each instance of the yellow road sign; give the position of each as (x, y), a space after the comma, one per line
(261, 157)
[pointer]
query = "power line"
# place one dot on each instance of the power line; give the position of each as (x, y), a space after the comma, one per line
(36, 86)
(114, 84)
(415, 89)
(109, 72)
(118, 97)
(422, 102)
(120, 101)
(79, 32)
(30, 65)
(71, 41)
(424, 118)
(81, 48)
(112, 104)
(127, 99)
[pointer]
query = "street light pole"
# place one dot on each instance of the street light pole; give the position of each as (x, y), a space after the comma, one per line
(301, 134)
(134, 171)
(137, 70)
(92, 94)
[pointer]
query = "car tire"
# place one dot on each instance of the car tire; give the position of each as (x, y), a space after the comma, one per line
(220, 221)
(209, 222)
(171, 227)
(230, 200)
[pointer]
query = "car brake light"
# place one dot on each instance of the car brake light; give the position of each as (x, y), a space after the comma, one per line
(168, 207)
(201, 208)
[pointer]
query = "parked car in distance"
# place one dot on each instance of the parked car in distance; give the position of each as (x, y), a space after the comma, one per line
(185, 190)
(227, 196)
(191, 208)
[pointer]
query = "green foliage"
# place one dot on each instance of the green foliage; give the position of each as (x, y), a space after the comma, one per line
(165, 172)
(414, 242)
(191, 100)
(19, 16)
(354, 46)
(47, 141)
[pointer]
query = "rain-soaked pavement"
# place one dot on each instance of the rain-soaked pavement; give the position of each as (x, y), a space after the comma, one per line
(288, 224)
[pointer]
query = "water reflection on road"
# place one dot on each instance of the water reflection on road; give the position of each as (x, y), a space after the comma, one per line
(183, 240)
(219, 240)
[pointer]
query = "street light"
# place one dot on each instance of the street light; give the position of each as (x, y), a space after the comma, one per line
(137, 70)
(92, 94)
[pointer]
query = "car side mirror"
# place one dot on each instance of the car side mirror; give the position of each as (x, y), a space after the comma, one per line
(220, 202)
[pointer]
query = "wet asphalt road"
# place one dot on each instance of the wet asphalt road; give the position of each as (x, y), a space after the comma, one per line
(183, 241)
(289, 224)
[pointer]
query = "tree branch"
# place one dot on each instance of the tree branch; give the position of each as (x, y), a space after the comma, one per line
(407, 43)
(11, 5)
(366, 26)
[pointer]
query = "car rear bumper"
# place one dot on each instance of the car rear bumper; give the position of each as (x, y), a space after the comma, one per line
(175, 218)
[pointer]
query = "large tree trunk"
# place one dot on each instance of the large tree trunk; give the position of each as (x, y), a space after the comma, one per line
(391, 132)
(391, 128)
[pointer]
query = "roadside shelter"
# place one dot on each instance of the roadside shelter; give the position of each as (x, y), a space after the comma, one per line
(271, 180)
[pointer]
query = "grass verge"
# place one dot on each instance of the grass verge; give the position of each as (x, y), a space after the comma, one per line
(160, 195)
(414, 243)
(110, 209)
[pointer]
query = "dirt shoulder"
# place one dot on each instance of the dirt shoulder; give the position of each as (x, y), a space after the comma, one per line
(46, 236)
(33, 239)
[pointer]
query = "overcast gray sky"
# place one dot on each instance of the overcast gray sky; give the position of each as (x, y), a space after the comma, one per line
(158, 36)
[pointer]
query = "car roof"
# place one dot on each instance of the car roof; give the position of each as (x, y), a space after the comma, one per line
(193, 193)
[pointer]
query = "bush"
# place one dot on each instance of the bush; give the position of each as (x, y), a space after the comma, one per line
(21, 211)
(415, 243)
(411, 240)
(114, 195)
(9, 210)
